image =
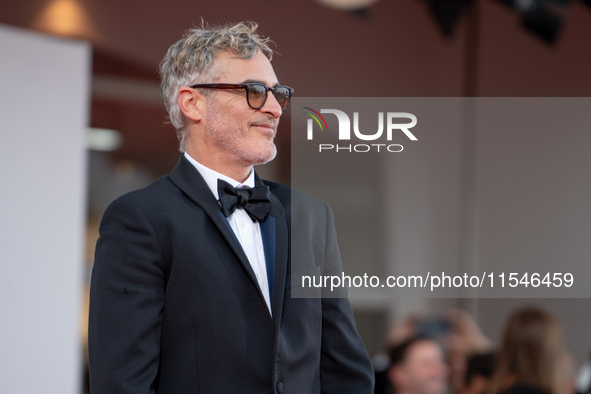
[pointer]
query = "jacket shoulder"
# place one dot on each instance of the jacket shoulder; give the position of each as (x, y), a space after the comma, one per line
(300, 205)
(150, 198)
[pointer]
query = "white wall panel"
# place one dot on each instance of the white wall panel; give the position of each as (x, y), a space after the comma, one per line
(43, 113)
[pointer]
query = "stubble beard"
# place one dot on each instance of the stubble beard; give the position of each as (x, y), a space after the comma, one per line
(230, 138)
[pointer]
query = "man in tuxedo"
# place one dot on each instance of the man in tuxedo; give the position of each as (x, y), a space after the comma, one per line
(191, 286)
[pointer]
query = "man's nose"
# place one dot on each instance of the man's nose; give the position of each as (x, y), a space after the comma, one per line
(272, 106)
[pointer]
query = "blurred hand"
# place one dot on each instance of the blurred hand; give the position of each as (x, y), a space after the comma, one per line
(466, 335)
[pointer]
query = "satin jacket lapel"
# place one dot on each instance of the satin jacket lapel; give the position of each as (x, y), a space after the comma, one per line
(190, 181)
(279, 222)
(268, 233)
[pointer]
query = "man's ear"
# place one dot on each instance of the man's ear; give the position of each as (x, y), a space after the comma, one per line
(191, 103)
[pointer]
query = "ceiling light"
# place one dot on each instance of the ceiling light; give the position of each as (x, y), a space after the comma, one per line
(347, 5)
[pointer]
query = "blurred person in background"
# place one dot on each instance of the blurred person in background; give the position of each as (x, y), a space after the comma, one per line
(531, 358)
(458, 333)
(479, 371)
(417, 366)
(465, 339)
(583, 380)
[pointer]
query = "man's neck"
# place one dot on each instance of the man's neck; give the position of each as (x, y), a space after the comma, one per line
(236, 172)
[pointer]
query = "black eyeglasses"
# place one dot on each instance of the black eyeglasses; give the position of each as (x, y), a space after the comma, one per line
(256, 93)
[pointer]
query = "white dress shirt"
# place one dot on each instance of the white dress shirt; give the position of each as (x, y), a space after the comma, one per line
(247, 232)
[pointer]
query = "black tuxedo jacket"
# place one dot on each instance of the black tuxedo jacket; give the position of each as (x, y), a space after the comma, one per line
(175, 307)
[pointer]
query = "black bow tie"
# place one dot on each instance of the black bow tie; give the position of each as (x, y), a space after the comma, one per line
(255, 201)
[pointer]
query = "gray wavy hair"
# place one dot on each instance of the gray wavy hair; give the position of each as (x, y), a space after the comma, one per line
(189, 61)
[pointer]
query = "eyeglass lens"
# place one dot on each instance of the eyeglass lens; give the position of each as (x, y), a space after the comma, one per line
(257, 96)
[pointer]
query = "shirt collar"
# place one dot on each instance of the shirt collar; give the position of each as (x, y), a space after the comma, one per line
(211, 177)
